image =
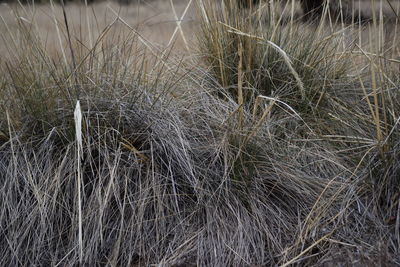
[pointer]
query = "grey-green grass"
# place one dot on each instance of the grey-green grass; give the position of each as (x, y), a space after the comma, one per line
(178, 170)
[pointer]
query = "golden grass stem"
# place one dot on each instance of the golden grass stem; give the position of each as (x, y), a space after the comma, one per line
(292, 261)
(58, 33)
(88, 25)
(240, 85)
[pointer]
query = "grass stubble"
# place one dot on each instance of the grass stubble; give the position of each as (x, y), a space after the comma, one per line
(278, 145)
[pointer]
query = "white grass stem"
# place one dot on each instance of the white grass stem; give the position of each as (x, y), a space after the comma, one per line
(178, 24)
(78, 131)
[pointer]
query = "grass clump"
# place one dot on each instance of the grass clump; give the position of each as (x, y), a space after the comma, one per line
(272, 56)
(308, 69)
(275, 150)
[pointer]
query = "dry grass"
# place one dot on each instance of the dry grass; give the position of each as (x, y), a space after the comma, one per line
(154, 20)
(275, 142)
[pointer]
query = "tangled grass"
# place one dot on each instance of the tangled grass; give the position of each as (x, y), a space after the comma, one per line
(278, 149)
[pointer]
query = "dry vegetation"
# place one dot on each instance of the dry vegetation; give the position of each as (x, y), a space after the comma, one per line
(154, 20)
(229, 138)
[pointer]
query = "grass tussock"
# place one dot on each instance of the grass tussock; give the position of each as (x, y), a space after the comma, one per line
(281, 147)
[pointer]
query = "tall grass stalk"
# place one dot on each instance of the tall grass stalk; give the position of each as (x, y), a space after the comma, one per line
(79, 150)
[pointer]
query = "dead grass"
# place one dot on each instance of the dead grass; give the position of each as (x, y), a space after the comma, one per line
(274, 142)
(154, 20)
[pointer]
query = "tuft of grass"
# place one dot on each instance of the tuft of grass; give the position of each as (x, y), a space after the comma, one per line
(348, 110)
(297, 63)
(276, 148)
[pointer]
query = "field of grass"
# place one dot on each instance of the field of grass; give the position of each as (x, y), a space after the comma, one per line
(199, 134)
